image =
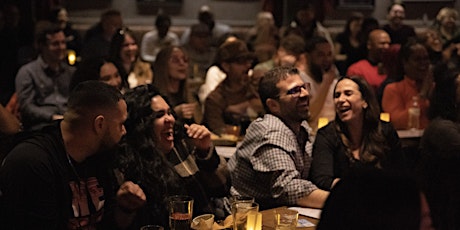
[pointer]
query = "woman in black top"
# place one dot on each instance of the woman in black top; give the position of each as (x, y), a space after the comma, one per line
(357, 137)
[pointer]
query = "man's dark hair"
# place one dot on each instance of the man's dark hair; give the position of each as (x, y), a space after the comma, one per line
(162, 19)
(293, 44)
(313, 42)
(93, 95)
(49, 29)
(396, 3)
(110, 13)
(267, 86)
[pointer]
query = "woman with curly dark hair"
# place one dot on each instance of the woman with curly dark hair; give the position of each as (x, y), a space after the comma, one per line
(356, 138)
(166, 158)
(440, 150)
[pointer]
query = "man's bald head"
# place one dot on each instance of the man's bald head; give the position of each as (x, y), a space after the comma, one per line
(378, 41)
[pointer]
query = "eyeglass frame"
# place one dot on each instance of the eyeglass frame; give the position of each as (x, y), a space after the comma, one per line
(295, 91)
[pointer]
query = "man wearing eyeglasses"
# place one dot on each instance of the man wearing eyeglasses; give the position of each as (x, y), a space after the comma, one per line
(273, 162)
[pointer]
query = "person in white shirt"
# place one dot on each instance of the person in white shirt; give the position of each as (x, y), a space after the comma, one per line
(153, 41)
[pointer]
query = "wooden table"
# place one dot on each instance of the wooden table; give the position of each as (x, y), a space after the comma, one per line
(268, 220)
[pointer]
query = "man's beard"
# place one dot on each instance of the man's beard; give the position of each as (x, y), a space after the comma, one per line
(317, 73)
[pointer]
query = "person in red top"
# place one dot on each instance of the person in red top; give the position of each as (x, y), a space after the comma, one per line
(371, 68)
(397, 97)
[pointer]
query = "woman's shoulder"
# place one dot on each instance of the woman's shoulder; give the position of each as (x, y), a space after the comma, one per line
(327, 130)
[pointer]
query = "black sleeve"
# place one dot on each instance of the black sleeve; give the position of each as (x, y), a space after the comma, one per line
(395, 155)
(324, 150)
(29, 190)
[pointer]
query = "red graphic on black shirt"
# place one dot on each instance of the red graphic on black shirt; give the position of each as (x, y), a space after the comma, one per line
(87, 203)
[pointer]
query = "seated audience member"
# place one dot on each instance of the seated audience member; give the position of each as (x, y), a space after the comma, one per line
(445, 24)
(171, 73)
(124, 52)
(375, 199)
(96, 42)
(60, 178)
(431, 39)
(42, 86)
(289, 53)
(273, 162)
(73, 39)
(157, 39)
(394, 69)
(322, 75)
(214, 76)
(348, 44)
(417, 82)
(263, 37)
(306, 25)
(398, 31)
(206, 16)
(372, 68)
(235, 100)
(99, 69)
(357, 138)
(169, 158)
(200, 54)
(440, 150)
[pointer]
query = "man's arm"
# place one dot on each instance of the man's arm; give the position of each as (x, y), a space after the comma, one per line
(26, 91)
(315, 199)
(29, 190)
(9, 124)
(322, 166)
(288, 182)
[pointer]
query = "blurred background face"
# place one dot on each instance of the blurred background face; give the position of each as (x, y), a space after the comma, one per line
(433, 41)
(284, 58)
(305, 16)
(62, 18)
(163, 29)
(178, 65)
(348, 101)
(448, 20)
(200, 41)
(163, 125)
(355, 26)
(379, 42)
(129, 51)
(417, 66)
(109, 75)
(396, 14)
(55, 48)
(322, 56)
(111, 25)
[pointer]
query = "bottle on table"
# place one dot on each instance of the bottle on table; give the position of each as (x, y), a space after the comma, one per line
(414, 114)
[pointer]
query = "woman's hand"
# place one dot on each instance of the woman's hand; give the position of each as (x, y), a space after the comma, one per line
(185, 110)
(200, 136)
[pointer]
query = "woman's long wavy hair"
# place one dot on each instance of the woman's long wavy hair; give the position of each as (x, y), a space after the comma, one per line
(161, 71)
(116, 45)
(139, 160)
(374, 145)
